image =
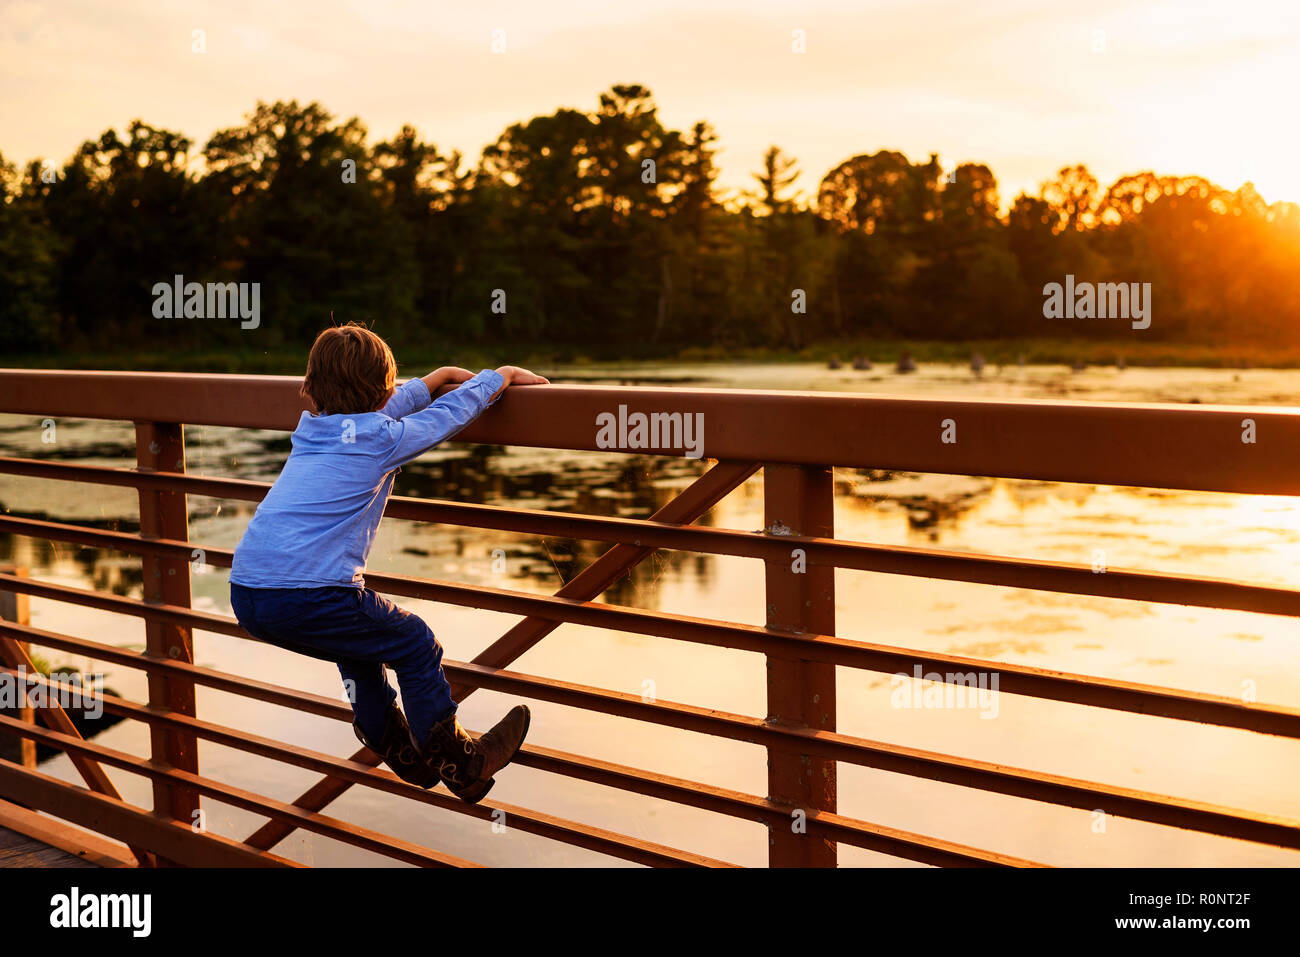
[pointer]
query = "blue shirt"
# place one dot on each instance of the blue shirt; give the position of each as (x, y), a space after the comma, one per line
(317, 523)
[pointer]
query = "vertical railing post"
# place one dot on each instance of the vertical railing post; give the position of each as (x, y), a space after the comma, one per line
(14, 607)
(160, 446)
(799, 500)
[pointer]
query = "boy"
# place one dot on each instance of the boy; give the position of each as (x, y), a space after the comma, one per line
(296, 580)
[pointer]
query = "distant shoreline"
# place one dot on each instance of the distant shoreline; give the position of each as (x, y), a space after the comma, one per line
(288, 360)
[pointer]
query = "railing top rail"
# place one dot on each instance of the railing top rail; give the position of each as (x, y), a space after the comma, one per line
(1201, 447)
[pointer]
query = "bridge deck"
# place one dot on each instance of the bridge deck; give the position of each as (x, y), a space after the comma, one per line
(28, 839)
(19, 850)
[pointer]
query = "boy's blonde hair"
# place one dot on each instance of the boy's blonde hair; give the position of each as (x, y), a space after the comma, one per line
(349, 370)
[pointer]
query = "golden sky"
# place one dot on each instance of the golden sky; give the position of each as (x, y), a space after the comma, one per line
(1026, 86)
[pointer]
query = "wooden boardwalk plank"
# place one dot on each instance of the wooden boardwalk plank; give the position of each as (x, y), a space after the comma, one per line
(29, 839)
(19, 850)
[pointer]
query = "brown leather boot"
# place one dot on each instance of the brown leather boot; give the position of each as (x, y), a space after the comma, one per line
(397, 748)
(465, 764)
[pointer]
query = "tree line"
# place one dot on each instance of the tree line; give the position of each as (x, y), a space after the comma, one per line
(606, 228)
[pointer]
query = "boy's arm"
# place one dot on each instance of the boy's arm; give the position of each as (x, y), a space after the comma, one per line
(447, 375)
(416, 394)
(421, 431)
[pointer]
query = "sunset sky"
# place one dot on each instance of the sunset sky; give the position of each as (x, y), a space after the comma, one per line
(1195, 87)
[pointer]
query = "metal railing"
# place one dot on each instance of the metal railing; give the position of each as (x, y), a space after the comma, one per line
(796, 439)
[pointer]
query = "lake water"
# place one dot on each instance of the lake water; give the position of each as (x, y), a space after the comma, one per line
(1250, 538)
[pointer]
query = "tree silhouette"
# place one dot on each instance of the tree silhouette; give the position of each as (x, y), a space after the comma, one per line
(603, 228)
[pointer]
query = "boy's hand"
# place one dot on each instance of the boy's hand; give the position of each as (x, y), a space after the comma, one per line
(447, 375)
(517, 376)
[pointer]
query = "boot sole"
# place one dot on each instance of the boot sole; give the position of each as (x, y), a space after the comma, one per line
(476, 793)
(528, 721)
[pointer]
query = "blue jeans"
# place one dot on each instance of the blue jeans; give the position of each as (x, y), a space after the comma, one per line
(360, 631)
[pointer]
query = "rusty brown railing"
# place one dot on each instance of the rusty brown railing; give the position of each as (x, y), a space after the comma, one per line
(796, 438)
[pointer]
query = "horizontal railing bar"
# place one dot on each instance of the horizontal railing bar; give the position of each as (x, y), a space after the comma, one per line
(340, 830)
(840, 828)
(734, 803)
(127, 823)
(876, 837)
(950, 769)
(967, 772)
(1150, 445)
(1036, 574)
(157, 481)
(303, 701)
(555, 828)
(1151, 700)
